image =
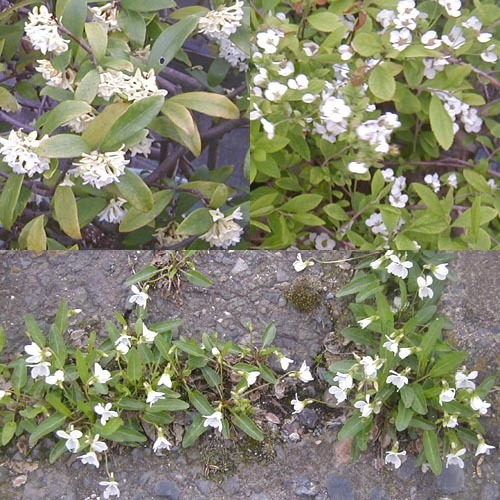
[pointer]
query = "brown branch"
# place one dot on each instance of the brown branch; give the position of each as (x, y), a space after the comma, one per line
(79, 41)
(492, 80)
(9, 119)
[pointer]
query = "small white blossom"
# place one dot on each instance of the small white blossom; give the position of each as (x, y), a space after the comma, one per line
(269, 40)
(464, 381)
(101, 376)
(446, 396)
(56, 378)
(397, 379)
(344, 380)
(365, 322)
(72, 443)
(365, 407)
(251, 377)
(357, 167)
(454, 458)
(404, 352)
(284, 361)
(371, 366)
(339, 394)
(37, 354)
(424, 289)
(450, 421)
(224, 232)
(107, 16)
(324, 242)
(298, 405)
(214, 420)
(40, 370)
(165, 380)
(300, 265)
(105, 412)
(42, 31)
(90, 458)
(139, 297)
(161, 442)
(482, 447)
(477, 404)
(222, 23)
(304, 373)
(153, 396)
(111, 489)
(122, 343)
(489, 55)
(399, 268)
(114, 212)
(147, 335)
(439, 271)
(54, 77)
(392, 457)
(98, 446)
(310, 48)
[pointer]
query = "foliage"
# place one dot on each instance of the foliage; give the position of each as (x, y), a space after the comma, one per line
(374, 124)
(102, 87)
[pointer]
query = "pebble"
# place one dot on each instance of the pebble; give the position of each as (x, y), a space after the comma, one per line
(304, 488)
(407, 469)
(451, 480)
(308, 418)
(167, 489)
(239, 267)
(231, 486)
(339, 487)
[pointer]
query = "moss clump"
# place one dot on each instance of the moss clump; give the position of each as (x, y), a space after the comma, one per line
(304, 294)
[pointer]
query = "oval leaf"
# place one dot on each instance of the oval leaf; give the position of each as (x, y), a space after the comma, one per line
(208, 103)
(247, 425)
(63, 146)
(135, 191)
(66, 212)
(441, 123)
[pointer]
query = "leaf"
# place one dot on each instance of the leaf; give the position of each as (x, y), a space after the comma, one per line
(127, 434)
(144, 274)
(7, 101)
(353, 426)
(89, 208)
(8, 431)
(441, 123)
(133, 24)
(50, 424)
(57, 451)
(429, 340)
(88, 86)
(66, 212)
(200, 402)
(431, 448)
(135, 191)
(147, 5)
(171, 41)
(63, 146)
(72, 14)
(33, 235)
(134, 365)
(367, 44)
(407, 395)
(135, 118)
(207, 103)
(360, 282)
(8, 199)
(324, 21)
(98, 39)
(131, 404)
(57, 404)
(447, 364)
(97, 130)
(211, 376)
(56, 343)
(19, 376)
(2, 339)
(135, 219)
(190, 348)
(302, 203)
(247, 425)
(169, 405)
(403, 417)
(429, 197)
(63, 113)
(196, 223)
(197, 278)
(268, 335)
(382, 83)
(194, 431)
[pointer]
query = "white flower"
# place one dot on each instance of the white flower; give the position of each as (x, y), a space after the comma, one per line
(224, 232)
(105, 412)
(284, 361)
(346, 52)
(391, 345)
(2, 394)
(371, 366)
(122, 343)
(454, 38)
(404, 352)
(387, 174)
(96, 445)
(101, 169)
(114, 212)
(430, 40)
(139, 297)
(101, 376)
(398, 199)
(147, 335)
(484, 37)
(483, 448)
(340, 394)
(161, 443)
(392, 457)
(464, 381)
(335, 109)
(454, 458)
(424, 289)
(473, 23)
(489, 55)
(357, 167)
(365, 322)
(298, 405)
(165, 380)
(397, 379)
(450, 421)
(268, 128)
(37, 354)
(214, 420)
(41, 29)
(18, 151)
(55, 378)
(365, 407)
(439, 271)
(344, 380)
(300, 82)
(153, 396)
(40, 370)
(275, 91)
(446, 396)
(222, 23)
(300, 265)
(236, 57)
(251, 377)
(400, 39)
(131, 88)
(304, 373)
(452, 7)
(268, 40)
(399, 268)
(433, 181)
(324, 242)
(72, 443)
(452, 180)
(310, 48)
(54, 77)
(477, 404)
(106, 16)
(90, 458)
(111, 488)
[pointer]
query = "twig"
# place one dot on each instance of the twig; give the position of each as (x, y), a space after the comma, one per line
(493, 80)
(79, 41)
(186, 81)
(9, 119)
(165, 84)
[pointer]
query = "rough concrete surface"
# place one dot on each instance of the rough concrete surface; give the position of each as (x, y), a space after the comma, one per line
(248, 286)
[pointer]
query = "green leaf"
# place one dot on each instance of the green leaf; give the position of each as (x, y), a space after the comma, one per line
(324, 21)
(197, 278)
(19, 376)
(169, 405)
(8, 431)
(246, 424)
(134, 365)
(190, 348)
(131, 404)
(144, 274)
(33, 235)
(447, 364)
(7, 101)
(171, 41)
(196, 223)
(72, 14)
(87, 88)
(208, 103)
(127, 434)
(135, 191)
(359, 283)
(429, 340)
(367, 44)
(430, 198)
(133, 24)
(403, 417)
(57, 404)
(2, 339)
(8, 199)
(407, 395)
(136, 117)
(194, 431)
(302, 203)
(268, 335)
(82, 366)
(98, 129)
(135, 219)
(89, 208)
(98, 39)
(66, 212)
(50, 424)
(358, 336)
(200, 402)
(63, 146)
(353, 426)
(211, 376)
(441, 123)
(147, 5)
(57, 451)
(56, 343)
(63, 113)
(381, 82)
(431, 448)
(477, 181)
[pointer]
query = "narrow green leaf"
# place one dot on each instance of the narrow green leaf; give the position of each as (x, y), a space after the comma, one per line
(447, 364)
(33, 235)
(190, 348)
(8, 199)
(63, 146)
(211, 376)
(144, 274)
(50, 424)
(147, 5)
(431, 448)
(57, 451)
(98, 39)
(247, 425)
(63, 113)
(353, 426)
(268, 335)
(208, 103)
(135, 191)
(134, 365)
(194, 431)
(197, 278)
(127, 434)
(403, 417)
(441, 123)
(302, 203)
(87, 88)
(131, 404)
(200, 402)
(8, 431)
(57, 404)
(66, 211)
(169, 405)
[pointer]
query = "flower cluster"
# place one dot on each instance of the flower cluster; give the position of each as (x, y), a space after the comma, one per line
(18, 151)
(107, 16)
(114, 212)
(55, 78)
(224, 232)
(42, 31)
(101, 169)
